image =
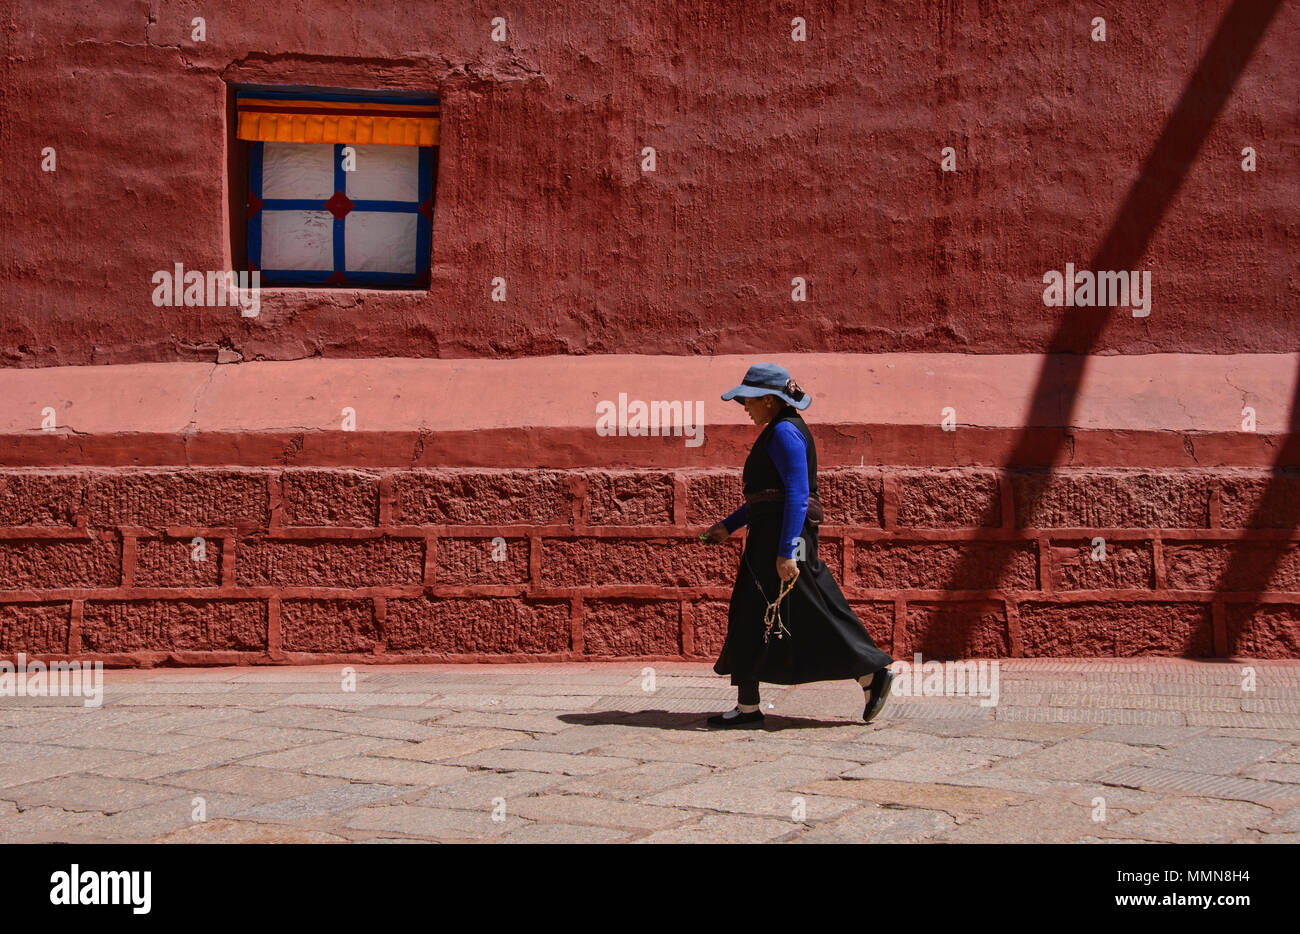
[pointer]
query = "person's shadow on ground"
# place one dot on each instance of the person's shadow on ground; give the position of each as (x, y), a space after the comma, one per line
(694, 722)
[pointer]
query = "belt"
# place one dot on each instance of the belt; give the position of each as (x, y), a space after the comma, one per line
(815, 513)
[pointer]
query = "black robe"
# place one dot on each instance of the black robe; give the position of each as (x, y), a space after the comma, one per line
(827, 641)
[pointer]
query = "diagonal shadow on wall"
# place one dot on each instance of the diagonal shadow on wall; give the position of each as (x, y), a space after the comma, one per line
(1148, 200)
(1278, 507)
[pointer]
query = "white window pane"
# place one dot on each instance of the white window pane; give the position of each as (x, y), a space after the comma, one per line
(385, 173)
(380, 241)
(297, 240)
(297, 170)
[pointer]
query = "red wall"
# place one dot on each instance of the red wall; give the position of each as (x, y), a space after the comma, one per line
(775, 159)
(320, 565)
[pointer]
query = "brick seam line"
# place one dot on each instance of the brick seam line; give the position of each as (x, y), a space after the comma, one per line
(577, 643)
(429, 576)
(1046, 575)
(379, 612)
(1218, 614)
(534, 562)
(384, 519)
(1015, 644)
(848, 571)
(1006, 500)
(889, 495)
(275, 500)
(127, 540)
(680, 501)
(1160, 582)
(900, 637)
(274, 648)
(75, 614)
(228, 584)
(687, 608)
(578, 484)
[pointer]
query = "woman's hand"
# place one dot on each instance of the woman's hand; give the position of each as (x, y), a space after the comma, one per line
(788, 568)
(717, 534)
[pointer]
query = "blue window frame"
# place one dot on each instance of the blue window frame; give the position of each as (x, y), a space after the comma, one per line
(368, 226)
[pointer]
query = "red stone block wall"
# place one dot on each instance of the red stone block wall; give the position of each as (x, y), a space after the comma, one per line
(318, 564)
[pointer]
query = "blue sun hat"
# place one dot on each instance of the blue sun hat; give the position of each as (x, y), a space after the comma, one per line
(768, 379)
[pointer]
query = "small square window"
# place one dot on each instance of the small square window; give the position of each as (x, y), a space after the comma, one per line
(339, 185)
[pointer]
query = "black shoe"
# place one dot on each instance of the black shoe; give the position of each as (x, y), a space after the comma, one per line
(747, 721)
(877, 693)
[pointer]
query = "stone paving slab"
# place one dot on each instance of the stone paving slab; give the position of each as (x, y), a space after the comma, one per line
(127, 738)
(87, 793)
(64, 762)
(1218, 755)
(371, 769)
(1191, 821)
(1204, 784)
(876, 824)
(1146, 735)
(247, 779)
(325, 801)
(1116, 750)
(38, 824)
(725, 828)
(484, 790)
(721, 794)
(432, 823)
(1282, 736)
(923, 765)
(959, 803)
(915, 710)
(233, 831)
(1043, 820)
(346, 700)
(170, 815)
(340, 723)
(450, 744)
(1288, 822)
(557, 762)
(1070, 758)
(673, 749)
(566, 833)
(527, 722)
(1068, 714)
(596, 811)
(636, 781)
(303, 757)
(201, 756)
(1275, 772)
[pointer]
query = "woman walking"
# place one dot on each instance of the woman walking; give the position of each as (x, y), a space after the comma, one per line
(788, 622)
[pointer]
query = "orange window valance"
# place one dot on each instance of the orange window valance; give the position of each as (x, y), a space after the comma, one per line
(305, 119)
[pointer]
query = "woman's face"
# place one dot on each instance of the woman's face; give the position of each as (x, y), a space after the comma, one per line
(760, 408)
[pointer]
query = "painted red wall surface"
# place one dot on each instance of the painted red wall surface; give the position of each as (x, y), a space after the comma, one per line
(775, 159)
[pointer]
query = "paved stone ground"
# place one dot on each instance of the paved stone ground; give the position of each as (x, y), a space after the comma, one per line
(1151, 750)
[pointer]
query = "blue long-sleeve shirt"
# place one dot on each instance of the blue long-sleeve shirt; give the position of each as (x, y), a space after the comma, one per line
(789, 452)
